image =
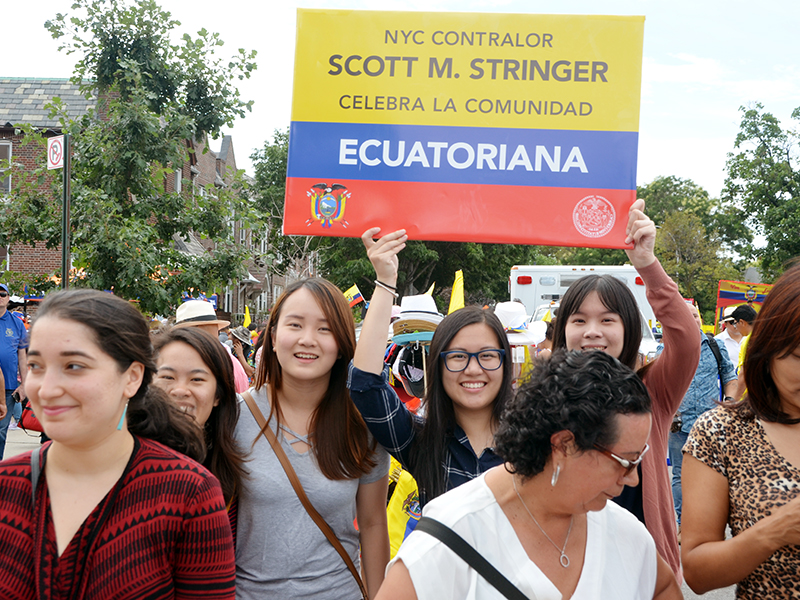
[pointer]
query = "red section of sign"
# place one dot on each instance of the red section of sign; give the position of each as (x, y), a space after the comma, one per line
(459, 212)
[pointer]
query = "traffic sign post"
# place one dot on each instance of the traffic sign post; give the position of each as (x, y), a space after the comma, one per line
(65, 239)
(58, 158)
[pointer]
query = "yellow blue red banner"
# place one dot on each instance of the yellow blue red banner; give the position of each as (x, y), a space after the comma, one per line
(465, 126)
(734, 293)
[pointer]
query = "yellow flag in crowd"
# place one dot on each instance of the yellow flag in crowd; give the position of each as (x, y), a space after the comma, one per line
(353, 296)
(457, 296)
(430, 289)
(247, 319)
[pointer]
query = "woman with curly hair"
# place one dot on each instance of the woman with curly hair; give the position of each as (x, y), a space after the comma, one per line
(599, 313)
(571, 440)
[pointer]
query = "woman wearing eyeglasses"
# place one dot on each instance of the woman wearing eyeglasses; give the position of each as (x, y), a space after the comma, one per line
(571, 440)
(468, 384)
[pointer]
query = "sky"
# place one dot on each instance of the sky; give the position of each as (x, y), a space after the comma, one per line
(702, 62)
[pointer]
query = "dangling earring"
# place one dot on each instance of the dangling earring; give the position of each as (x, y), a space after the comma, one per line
(122, 418)
(556, 473)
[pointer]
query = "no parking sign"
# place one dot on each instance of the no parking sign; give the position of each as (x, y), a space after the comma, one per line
(55, 152)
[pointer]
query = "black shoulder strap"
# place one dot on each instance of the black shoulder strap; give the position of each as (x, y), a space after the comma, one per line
(470, 556)
(712, 343)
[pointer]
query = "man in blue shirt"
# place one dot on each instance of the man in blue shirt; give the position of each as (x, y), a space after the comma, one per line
(703, 395)
(13, 360)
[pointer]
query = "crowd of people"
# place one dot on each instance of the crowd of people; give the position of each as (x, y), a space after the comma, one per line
(195, 462)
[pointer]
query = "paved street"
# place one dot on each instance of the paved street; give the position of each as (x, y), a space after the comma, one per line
(18, 442)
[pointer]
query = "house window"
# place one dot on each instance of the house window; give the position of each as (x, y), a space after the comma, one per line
(5, 155)
(178, 181)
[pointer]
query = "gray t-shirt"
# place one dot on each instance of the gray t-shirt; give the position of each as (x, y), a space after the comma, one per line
(280, 551)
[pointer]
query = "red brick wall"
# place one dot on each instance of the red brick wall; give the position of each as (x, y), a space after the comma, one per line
(24, 258)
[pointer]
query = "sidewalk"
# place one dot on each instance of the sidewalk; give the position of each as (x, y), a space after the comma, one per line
(18, 442)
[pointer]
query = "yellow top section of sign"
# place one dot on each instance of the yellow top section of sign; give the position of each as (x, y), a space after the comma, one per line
(468, 69)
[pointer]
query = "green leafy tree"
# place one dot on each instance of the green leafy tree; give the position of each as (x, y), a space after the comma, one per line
(725, 220)
(153, 96)
(287, 255)
(691, 256)
(763, 178)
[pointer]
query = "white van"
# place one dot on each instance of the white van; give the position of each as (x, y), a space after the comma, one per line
(535, 285)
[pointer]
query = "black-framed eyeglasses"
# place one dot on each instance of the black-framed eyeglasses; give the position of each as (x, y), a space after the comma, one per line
(456, 361)
(629, 465)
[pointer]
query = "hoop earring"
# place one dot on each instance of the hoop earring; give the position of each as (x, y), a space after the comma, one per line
(122, 418)
(556, 473)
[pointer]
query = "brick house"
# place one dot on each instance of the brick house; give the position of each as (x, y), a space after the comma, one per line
(23, 100)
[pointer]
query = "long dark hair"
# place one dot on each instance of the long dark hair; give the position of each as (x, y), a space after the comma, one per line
(430, 451)
(224, 457)
(617, 298)
(776, 334)
(341, 446)
(122, 333)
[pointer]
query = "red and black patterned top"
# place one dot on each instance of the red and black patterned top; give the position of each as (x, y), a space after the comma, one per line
(160, 533)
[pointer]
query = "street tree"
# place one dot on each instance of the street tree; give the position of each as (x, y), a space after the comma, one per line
(154, 96)
(764, 179)
(292, 256)
(690, 254)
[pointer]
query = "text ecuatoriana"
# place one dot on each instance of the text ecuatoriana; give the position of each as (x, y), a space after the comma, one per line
(458, 155)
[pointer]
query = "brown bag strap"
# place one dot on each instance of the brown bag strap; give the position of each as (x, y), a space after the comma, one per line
(301, 494)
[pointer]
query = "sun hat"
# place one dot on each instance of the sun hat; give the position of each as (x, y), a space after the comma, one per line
(727, 314)
(417, 314)
(198, 312)
(515, 321)
(242, 334)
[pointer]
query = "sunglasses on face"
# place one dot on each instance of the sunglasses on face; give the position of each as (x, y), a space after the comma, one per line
(629, 465)
(3, 294)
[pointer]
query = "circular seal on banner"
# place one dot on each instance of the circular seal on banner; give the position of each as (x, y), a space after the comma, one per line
(594, 216)
(750, 294)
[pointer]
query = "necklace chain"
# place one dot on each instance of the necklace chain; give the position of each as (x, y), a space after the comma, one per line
(563, 559)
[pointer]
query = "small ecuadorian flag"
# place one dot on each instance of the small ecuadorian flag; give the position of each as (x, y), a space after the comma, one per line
(353, 296)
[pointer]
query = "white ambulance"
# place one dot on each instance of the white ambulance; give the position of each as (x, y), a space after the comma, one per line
(541, 287)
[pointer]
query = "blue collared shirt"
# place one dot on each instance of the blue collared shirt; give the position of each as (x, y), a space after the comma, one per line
(395, 428)
(13, 338)
(703, 393)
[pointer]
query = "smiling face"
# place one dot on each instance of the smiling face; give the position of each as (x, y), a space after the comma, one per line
(78, 392)
(187, 380)
(303, 341)
(595, 327)
(473, 389)
(597, 477)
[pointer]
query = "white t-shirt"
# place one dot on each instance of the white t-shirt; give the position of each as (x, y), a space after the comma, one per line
(731, 344)
(620, 561)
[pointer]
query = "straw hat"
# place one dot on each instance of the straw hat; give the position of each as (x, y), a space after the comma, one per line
(727, 314)
(197, 312)
(417, 313)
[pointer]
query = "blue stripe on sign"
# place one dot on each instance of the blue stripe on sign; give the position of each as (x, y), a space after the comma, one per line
(466, 155)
